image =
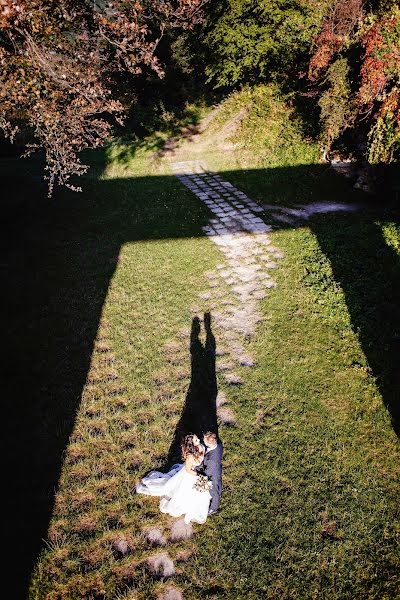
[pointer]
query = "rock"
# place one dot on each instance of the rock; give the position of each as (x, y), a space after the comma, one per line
(154, 536)
(221, 399)
(180, 531)
(170, 593)
(220, 351)
(221, 367)
(121, 546)
(226, 416)
(160, 565)
(246, 361)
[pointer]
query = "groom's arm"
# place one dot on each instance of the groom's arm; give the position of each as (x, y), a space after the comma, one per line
(216, 478)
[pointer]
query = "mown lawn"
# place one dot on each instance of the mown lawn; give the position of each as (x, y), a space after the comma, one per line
(99, 284)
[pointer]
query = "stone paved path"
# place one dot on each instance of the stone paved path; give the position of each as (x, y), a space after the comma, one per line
(235, 289)
(243, 278)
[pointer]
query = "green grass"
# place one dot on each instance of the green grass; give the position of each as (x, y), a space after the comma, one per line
(310, 505)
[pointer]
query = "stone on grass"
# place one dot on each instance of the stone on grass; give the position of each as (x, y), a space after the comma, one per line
(180, 531)
(246, 360)
(221, 399)
(220, 351)
(269, 284)
(204, 296)
(259, 294)
(233, 379)
(160, 565)
(226, 416)
(154, 536)
(221, 367)
(170, 593)
(184, 333)
(121, 546)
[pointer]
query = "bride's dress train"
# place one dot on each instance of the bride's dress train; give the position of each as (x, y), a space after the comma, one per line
(178, 496)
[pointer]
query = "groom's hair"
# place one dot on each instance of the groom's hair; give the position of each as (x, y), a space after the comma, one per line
(212, 435)
(189, 447)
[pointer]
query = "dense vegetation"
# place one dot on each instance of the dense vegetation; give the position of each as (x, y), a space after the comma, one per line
(64, 67)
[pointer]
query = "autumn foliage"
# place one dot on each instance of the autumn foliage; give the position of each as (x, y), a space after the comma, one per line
(338, 25)
(59, 60)
(355, 66)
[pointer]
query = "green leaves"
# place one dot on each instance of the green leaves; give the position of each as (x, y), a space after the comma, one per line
(255, 40)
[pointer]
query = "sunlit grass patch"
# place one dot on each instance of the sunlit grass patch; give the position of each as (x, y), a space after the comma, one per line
(311, 466)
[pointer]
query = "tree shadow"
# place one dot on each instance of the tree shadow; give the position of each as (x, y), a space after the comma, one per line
(199, 412)
(368, 271)
(364, 263)
(58, 257)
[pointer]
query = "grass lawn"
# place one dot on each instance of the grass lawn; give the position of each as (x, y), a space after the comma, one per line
(101, 287)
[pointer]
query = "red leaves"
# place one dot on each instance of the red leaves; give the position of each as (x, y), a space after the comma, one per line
(381, 60)
(339, 23)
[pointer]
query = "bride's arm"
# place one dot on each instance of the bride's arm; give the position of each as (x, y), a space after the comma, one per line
(190, 463)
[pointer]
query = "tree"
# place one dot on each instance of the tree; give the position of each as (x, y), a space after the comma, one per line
(355, 66)
(250, 41)
(59, 60)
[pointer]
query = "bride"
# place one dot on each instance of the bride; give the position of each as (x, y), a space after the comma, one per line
(182, 490)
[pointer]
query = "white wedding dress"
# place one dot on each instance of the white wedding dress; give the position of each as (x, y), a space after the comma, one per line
(178, 496)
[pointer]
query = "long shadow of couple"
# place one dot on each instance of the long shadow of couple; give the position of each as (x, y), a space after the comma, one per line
(199, 413)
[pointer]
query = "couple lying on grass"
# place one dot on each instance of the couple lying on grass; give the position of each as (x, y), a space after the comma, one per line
(192, 489)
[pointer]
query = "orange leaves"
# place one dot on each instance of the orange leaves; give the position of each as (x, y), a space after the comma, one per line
(327, 45)
(338, 25)
(381, 60)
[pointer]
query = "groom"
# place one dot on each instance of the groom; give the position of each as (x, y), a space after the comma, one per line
(212, 467)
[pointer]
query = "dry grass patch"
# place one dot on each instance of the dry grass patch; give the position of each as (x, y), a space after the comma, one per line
(126, 573)
(115, 390)
(80, 472)
(120, 403)
(183, 556)
(123, 422)
(94, 555)
(172, 347)
(85, 586)
(60, 555)
(182, 373)
(162, 377)
(96, 376)
(127, 439)
(132, 460)
(106, 466)
(93, 409)
(81, 499)
(114, 515)
(57, 530)
(76, 453)
(102, 347)
(87, 525)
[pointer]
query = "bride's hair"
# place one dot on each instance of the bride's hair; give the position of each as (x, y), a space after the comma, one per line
(189, 447)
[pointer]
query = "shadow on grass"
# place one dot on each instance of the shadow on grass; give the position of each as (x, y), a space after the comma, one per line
(200, 409)
(58, 258)
(167, 132)
(368, 271)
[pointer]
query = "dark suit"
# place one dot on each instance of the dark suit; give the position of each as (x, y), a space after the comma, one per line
(212, 467)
